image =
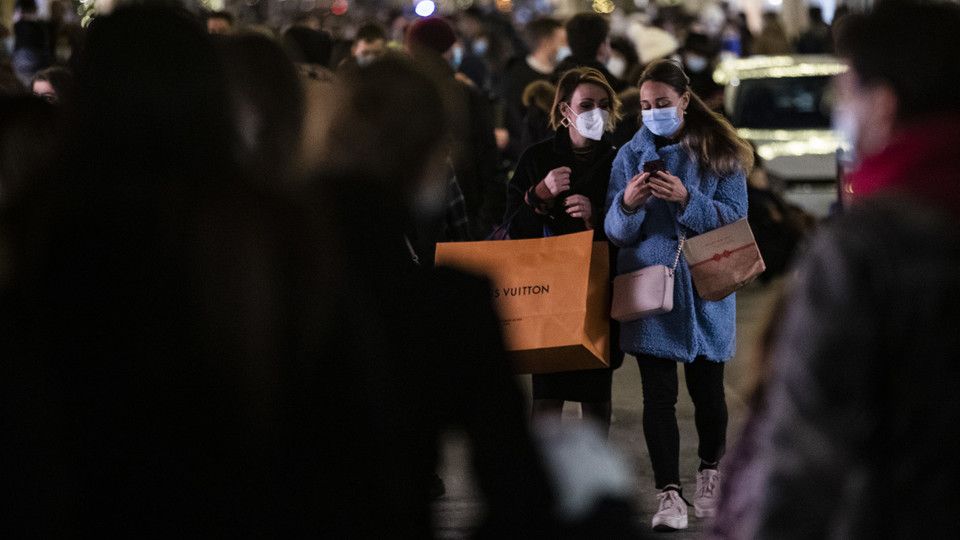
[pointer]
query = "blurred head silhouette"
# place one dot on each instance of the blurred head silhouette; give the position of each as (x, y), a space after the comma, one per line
(151, 95)
(391, 127)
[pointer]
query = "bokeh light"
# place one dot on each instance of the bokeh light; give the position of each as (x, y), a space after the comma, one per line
(425, 8)
(604, 6)
(339, 7)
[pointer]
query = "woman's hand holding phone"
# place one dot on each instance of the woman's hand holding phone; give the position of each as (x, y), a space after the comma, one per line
(637, 192)
(668, 187)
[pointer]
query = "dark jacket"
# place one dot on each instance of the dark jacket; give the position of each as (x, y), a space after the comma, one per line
(248, 370)
(424, 349)
(589, 178)
(515, 80)
(853, 439)
(475, 160)
(536, 127)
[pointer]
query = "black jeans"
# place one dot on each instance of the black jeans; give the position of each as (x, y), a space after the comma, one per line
(705, 384)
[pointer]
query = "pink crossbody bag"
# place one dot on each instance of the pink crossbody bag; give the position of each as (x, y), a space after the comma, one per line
(644, 292)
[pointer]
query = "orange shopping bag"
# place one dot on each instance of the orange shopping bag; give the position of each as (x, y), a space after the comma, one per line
(552, 295)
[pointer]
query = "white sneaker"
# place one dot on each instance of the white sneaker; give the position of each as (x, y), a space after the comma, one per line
(672, 515)
(708, 490)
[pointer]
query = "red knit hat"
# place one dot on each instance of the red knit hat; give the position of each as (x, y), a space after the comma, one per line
(433, 33)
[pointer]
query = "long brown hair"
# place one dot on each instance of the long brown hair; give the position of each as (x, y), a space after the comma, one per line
(707, 136)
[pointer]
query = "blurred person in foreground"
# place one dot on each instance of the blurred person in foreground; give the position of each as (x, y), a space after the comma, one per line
(267, 108)
(422, 346)
(559, 187)
(310, 48)
(54, 85)
(30, 132)
(698, 185)
(157, 312)
(853, 437)
(10, 84)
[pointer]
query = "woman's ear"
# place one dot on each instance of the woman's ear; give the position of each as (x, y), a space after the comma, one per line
(684, 102)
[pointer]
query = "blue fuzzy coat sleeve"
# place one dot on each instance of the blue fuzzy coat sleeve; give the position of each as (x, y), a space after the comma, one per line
(728, 204)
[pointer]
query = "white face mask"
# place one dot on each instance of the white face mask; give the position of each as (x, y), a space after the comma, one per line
(663, 122)
(592, 123)
(616, 66)
(562, 53)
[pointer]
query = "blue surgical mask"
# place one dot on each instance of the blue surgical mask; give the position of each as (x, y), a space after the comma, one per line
(664, 122)
(562, 53)
(457, 57)
(696, 63)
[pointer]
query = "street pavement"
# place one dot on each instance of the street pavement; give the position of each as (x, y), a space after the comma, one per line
(457, 511)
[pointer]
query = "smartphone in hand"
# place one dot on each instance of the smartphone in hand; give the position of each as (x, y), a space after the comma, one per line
(653, 166)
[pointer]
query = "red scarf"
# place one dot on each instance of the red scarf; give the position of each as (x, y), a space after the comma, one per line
(923, 160)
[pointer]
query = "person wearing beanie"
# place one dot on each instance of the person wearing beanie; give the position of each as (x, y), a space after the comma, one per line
(432, 33)
(475, 156)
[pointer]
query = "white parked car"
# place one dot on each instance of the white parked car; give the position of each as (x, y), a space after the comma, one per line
(782, 104)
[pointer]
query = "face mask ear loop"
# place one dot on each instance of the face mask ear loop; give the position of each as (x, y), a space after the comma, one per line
(564, 121)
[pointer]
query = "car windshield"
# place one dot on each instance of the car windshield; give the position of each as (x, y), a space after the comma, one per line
(784, 103)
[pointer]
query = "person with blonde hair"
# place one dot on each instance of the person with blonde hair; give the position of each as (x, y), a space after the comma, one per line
(559, 187)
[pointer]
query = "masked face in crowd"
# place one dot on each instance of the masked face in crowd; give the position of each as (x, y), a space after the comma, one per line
(617, 65)
(558, 45)
(663, 108)
(588, 111)
(864, 115)
(695, 62)
(367, 51)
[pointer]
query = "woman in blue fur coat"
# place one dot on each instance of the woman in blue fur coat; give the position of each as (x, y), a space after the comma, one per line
(701, 185)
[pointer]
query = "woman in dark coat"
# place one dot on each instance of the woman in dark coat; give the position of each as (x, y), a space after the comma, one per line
(559, 187)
